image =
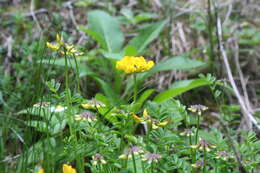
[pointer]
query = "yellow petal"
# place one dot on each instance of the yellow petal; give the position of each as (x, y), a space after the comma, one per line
(68, 169)
(78, 118)
(136, 118)
(164, 123)
(154, 126)
(87, 106)
(103, 161)
(145, 113)
(194, 146)
(94, 163)
(52, 46)
(122, 156)
(41, 170)
(194, 165)
(58, 39)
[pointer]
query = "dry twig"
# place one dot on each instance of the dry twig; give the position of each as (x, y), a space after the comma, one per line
(241, 101)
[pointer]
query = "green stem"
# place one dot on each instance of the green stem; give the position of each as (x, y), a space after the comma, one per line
(135, 88)
(77, 75)
(134, 163)
(152, 167)
(143, 170)
(204, 160)
(191, 151)
(216, 166)
(197, 130)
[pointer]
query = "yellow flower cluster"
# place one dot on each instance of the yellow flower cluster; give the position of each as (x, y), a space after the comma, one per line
(132, 64)
(63, 48)
(65, 169)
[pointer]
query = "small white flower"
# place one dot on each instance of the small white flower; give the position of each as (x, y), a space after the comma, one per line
(58, 108)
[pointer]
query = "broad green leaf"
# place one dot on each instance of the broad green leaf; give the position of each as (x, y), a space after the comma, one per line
(181, 87)
(146, 36)
(106, 30)
(141, 99)
(52, 127)
(144, 17)
(178, 63)
(130, 50)
(174, 63)
(108, 91)
(111, 55)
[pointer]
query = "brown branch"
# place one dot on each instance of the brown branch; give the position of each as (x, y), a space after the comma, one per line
(241, 101)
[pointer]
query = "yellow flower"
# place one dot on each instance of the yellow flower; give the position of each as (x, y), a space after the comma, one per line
(59, 40)
(68, 169)
(137, 119)
(93, 104)
(71, 50)
(132, 64)
(41, 170)
(147, 118)
(164, 123)
(63, 48)
(53, 47)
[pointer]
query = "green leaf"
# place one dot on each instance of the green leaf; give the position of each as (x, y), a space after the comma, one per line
(51, 128)
(108, 91)
(146, 36)
(177, 63)
(130, 50)
(141, 99)
(174, 63)
(105, 29)
(181, 87)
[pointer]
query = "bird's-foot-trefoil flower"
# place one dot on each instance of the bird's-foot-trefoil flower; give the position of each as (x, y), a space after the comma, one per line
(198, 108)
(93, 104)
(68, 169)
(198, 164)
(151, 157)
(203, 145)
(223, 155)
(88, 116)
(62, 47)
(187, 132)
(148, 119)
(135, 150)
(132, 64)
(98, 158)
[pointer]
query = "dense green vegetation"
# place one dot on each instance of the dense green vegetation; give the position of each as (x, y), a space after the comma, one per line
(122, 86)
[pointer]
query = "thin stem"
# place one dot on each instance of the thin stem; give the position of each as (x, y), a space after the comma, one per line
(77, 75)
(204, 160)
(152, 167)
(134, 163)
(135, 88)
(197, 130)
(216, 166)
(143, 170)
(191, 151)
